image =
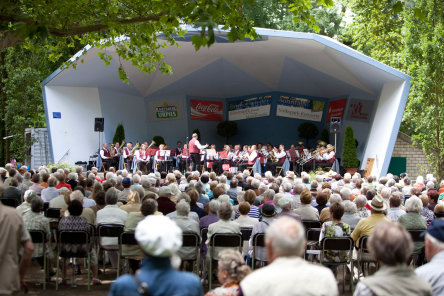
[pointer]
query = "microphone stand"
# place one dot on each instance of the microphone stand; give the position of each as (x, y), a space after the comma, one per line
(189, 155)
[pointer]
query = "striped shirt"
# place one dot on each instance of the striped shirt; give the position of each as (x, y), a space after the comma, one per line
(253, 213)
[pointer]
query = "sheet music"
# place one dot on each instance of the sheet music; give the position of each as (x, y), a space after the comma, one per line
(211, 153)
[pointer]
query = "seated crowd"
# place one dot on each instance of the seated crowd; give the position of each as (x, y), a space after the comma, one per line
(160, 207)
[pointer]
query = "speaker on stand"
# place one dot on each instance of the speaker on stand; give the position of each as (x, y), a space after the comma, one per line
(335, 128)
(99, 126)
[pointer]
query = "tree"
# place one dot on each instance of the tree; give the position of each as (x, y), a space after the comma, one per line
(138, 29)
(159, 140)
(119, 135)
(325, 135)
(349, 155)
(307, 131)
(227, 129)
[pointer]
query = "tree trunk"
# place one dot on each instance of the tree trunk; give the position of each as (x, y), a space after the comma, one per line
(3, 75)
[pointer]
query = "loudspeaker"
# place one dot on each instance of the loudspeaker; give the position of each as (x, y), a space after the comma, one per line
(99, 123)
(335, 125)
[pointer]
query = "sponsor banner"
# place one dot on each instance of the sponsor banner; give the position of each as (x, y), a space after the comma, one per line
(359, 110)
(300, 108)
(249, 108)
(206, 110)
(336, 109)
(165, 110)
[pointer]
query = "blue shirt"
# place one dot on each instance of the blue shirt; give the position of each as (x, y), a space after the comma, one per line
(161, 278)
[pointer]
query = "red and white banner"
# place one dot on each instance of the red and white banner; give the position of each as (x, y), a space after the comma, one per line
(336, 109)
(206, 110)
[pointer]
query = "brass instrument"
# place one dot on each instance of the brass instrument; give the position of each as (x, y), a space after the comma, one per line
(121, 147)
(152, 143)
(112, 152)
(134, 149)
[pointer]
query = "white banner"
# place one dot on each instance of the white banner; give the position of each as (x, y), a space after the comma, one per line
(299, 113)
(252, 112)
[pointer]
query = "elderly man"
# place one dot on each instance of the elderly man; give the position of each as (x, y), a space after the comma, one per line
(296, 198)
(285, 203)
(433, 271)
(391, 246)
(395, 211)
(166, 205)
(287, 273)
(126, 183)
(365, 226)
(212, 217)
(12, 191)
(51, 192)
(306, 211)
(36, 184)
(187, 225)
(60, 202)
(111, 214)
(159, 238)
(25, 207)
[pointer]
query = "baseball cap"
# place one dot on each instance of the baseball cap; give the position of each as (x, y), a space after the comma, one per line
(436, 230)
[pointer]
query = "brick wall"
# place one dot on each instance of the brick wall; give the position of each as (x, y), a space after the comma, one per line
(416, 160)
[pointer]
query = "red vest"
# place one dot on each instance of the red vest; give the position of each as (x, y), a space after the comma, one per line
(106, 152)
(192, 146)
(282, 159)
(159, 157)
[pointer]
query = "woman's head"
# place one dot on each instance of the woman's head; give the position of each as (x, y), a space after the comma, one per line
(336, 210)
(306, 197)
(231, 267)
(75, 208)
(133, 197)
(250, 196)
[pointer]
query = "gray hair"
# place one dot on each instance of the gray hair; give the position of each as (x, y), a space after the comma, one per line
(386, 192)
(286, 236)
(111, 196)
(36, 205)
(284, 203)
(183, 196)
(345, 193)
(263, 188)
(360, 201)
(298, 188)
(414, 204)
(139, 190)
(349, 207)
(286, 186)
(335, 198)
(29, 195)
(277, 197)
(269, 193)
(255, 183)
(199, 187)
(223, 198)
(225, 211)
(182, 208)
(233, 262)
(213, 206)
(391, 183)
(136, 179)
(76, 195)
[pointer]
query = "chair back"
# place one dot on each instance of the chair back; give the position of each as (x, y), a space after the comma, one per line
(313, 234)
(190, 239)
(52, 213)
(308, 224)
(204, 234)
(109, 230)
(45, 206)
(128, 238)
(37, 236)
(246, 233)
(416, 235)
(74, 237)
(259, 240)
(228, 240)
(10, 202)
(345, 243)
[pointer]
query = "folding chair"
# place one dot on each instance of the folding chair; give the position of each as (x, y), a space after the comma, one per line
(203, 236)
(127, 238)
(416, 237)
(10, 202)
(246, 234)
(364, 257)
(308, 224)
(54, 215)
(109, 230)
(258, 241)
(279, 169)
(39, 237)
(191, 239)
(339, 244)
(312, 248)
(79, 237)
(224, 240)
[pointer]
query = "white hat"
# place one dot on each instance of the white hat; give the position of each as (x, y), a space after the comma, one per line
(165, 190)
(158, 236)
(2, 170)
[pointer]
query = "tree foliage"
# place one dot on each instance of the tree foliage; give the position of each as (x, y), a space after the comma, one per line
(349, 154)
(119, 135)
(227, 129)
(307, 131)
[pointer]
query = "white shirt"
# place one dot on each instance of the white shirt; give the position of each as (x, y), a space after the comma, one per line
(125, 154)
(49, 193)
(252, 156)
(140, 156)
(328, 156)
(111, 214)
(198, 145)
(102, 154)
(280, 154)
(87, 202)
(161, 153)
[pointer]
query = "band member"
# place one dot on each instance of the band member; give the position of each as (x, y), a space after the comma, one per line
(183, 158)
(178, 151)
(142, 158)
(293, 156)
(106, 157)
(127, 155)
(234, 155)
(328, 157)
(243, 158)
(277, 158)
(195, 147)
(161, 159)
(252, 155)
(224, 158)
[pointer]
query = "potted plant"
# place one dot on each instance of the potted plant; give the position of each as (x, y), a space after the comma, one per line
(350, 159)
(227, 129)
(307, 131)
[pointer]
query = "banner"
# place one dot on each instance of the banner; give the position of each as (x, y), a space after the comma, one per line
(249, 108)
(206, 110)
(165, 110)
(336, 109)
(300, 108)
(359, 110)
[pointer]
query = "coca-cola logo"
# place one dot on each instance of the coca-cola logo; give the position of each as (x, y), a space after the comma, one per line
(212, 108)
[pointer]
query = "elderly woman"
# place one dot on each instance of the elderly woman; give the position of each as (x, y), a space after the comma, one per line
(250, 197)
(224, 225)
(71, 223)
(360, 202)
(325, 213)
(413, 219)
(321, 201)
(351, 216)
(439, 211)
(306, 211)
(391, 246)
(230, 272)
(433, 199)
(426, 212)
(335, 228)
(99, 198)
(133, 202)
(194, 196)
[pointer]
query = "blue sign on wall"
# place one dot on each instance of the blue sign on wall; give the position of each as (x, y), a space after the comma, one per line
(56, 115)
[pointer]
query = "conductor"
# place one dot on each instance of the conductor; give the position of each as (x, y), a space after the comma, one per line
(195, 147)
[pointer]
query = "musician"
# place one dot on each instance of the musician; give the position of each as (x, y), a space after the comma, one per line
(106, 157)
(328, 157)
(293, 156)
(253, 155)
(117, 152)
(278, 158)
(128, 155)
(242, 158)
(142, 159)
(183, 158)
(161, 158)
(224, 158)
(195, 147)
(178, 151)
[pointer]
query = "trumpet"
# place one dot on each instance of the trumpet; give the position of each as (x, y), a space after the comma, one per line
(121, 147)
(134, 149)
(152, 143)
(112, 152)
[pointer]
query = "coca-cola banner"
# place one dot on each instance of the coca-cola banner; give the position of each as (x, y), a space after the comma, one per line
(206, 110)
